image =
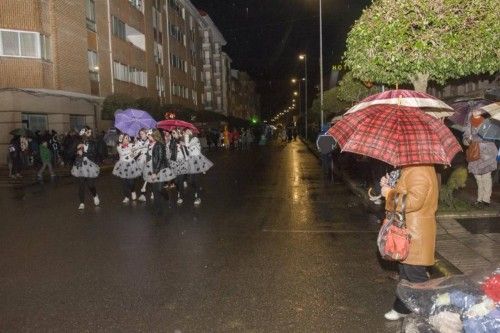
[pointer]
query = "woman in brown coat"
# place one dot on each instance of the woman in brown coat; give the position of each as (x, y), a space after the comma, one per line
(420, 185)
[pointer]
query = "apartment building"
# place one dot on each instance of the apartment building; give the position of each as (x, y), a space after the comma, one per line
(59, 59)
(245, 102)
(216, 66)
(184, 54)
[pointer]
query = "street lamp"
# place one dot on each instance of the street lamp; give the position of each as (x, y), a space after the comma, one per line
(294, 80)
(295, 93)
(303, 57)
(321, 59)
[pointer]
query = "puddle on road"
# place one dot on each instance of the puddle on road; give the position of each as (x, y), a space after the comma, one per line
(481, 225)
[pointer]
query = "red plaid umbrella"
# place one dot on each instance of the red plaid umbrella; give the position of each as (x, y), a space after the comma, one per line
(411, 98)
(397, 135)
(171, 124)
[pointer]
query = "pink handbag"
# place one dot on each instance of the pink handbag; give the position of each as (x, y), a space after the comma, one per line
(393, 238)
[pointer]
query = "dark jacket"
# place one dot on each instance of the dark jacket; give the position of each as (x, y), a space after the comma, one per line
(91, 153)
(173, 149)
(159, 156)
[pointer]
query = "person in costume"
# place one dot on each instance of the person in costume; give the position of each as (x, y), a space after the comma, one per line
(141, 145)
(179, 163)
(157, 168)
(197, 162)
(127, 168)
(85, 167)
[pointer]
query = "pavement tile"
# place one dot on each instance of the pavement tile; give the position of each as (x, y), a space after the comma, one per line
(495, 237)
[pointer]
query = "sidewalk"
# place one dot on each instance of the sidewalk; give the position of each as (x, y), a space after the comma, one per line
(459, 249)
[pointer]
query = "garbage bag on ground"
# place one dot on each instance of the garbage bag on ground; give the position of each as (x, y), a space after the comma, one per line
(454, 304)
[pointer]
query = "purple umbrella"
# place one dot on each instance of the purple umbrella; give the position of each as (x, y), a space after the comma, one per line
(131, 121)
(462, 109)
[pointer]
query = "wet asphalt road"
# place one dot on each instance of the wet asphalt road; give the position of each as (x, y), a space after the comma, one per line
(273, 248)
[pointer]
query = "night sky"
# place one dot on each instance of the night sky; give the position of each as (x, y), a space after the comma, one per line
(265, 37)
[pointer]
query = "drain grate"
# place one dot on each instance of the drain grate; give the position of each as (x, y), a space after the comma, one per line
(481, 225)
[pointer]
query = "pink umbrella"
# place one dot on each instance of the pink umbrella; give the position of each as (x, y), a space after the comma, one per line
(171, 124)
(411, 98)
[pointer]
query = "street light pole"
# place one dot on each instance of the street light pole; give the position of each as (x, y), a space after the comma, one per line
(321, 59)
(304, 57)
(306, 91)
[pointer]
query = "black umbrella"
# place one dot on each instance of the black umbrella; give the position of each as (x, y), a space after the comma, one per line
(21, 132)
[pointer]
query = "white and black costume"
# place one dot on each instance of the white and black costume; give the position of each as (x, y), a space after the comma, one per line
(179, 159)
(126, 167)
(157, 164)
(197, 162)
(157, 172)
(141, 149)
(85, 167)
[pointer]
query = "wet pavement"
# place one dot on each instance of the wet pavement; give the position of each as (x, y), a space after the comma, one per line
(273, 248)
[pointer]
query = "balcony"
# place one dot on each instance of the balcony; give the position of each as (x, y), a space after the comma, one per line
(135, 37)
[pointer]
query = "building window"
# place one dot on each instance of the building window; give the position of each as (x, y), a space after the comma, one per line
(178, 63)
(35, 122)
(45, 47)
(119, 28)
(174, 4)
(138, 4)
(177, 34)
(138, 77)
(26, 44)
(193, 73)
(120, 71)
(93, 65)
(158, 53)
(160, 86)
(209, 97)
(77, 122)
(194, 96)
(90, 11)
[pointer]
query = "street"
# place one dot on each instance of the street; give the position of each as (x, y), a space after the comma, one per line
(274, 247)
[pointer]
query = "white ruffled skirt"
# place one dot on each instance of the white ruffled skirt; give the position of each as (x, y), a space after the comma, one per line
(87, 169)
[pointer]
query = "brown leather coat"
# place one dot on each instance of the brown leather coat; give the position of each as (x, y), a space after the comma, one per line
(420, 185)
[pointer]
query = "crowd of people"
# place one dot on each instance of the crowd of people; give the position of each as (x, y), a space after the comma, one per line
(45, 151)
(226, 138)
(156, 159)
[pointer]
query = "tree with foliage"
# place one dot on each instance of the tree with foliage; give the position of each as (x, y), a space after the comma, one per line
(152, 106)
(415, 41)
(116, 102)
(353, 90)
(332, 105)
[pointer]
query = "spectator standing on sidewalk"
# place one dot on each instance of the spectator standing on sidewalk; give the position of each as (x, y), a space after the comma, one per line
(486, 164)
(420, 185)
(46, 160)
